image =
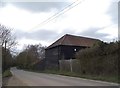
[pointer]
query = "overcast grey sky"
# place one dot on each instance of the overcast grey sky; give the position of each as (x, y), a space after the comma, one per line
(91, 18)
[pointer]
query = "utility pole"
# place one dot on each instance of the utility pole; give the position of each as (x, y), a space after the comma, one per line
(0, 59)
(4, 56)
(5, 45)
(3, 64)
(71, 65)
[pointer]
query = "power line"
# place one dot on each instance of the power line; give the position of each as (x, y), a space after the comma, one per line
(59, 13)
(64, 11)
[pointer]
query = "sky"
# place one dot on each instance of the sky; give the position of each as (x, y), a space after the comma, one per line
(88, 18)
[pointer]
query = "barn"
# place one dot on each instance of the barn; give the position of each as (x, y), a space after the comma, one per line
(65, 49)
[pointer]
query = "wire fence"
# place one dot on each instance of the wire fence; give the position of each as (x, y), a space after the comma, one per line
(72, 65)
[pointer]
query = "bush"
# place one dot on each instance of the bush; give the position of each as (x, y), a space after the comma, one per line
(101, 59)
(7, 73)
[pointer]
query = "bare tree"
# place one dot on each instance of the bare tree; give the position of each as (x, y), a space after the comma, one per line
(30, 55)
(6, 37)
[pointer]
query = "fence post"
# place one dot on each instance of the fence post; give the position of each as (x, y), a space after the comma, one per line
(71, 65)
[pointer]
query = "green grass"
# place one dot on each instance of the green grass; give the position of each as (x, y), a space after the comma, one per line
(94, 77)
(73, 74)
(7, 73)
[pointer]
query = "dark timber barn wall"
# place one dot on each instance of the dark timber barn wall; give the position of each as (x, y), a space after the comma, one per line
(65, 49)
(53, 55)
(68, 52)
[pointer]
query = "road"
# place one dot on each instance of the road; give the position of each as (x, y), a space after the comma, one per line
(41, 79)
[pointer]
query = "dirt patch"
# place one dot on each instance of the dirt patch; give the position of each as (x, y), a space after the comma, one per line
(5, 81)
(13, 81)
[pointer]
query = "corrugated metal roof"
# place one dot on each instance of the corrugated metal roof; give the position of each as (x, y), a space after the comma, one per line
(74, 41)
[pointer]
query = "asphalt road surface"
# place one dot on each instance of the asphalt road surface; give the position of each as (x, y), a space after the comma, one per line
(41, 79)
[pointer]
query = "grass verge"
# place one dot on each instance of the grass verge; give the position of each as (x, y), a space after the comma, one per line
(113, 79)
(86, 76)
(7, 73)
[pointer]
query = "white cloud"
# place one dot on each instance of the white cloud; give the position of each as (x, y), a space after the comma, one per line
(24, 42)
(36, 0)
(21, 19)
(111, 30)
(83, 16)
(88, 14)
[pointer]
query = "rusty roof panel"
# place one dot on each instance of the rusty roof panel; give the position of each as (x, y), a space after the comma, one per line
(74, 41)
